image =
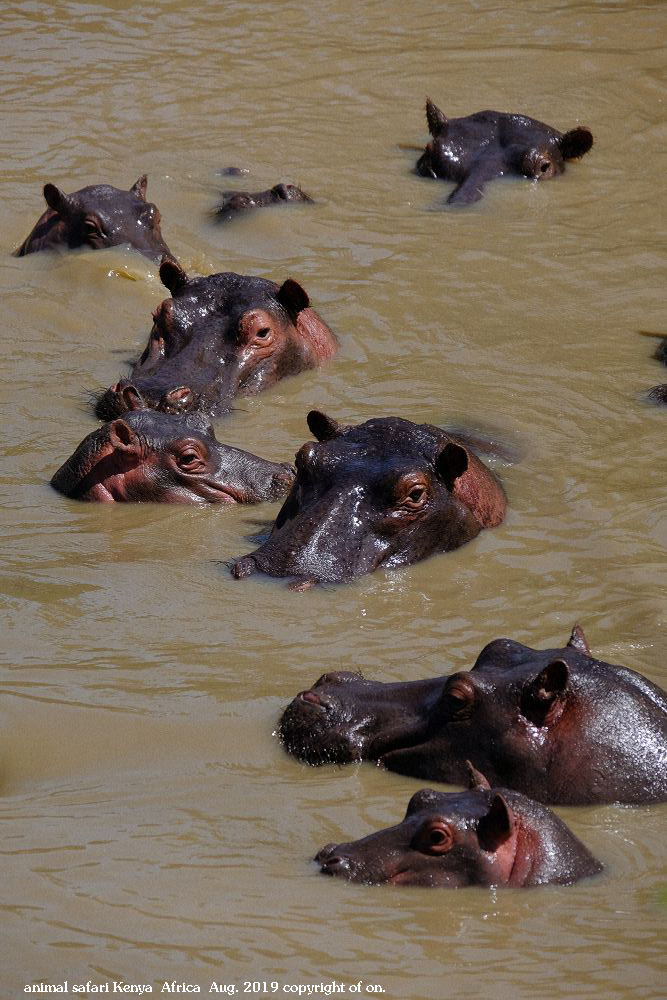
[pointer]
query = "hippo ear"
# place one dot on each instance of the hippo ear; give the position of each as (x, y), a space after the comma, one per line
(494, 828)
(575, 143)
(475, 778)
(57, 200)
(321, 426)
(451, 462)
(172, 275)
(540, 695)
(139, 187)
(579, 641)
(437, 122)
(122, 438)
(292, 298)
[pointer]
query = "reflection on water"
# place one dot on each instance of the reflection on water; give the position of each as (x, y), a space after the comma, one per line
(153, 828)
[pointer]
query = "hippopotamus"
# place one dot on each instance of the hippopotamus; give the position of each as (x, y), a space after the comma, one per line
(148, 456)
(658, 394)
(99, 216)
(217, 338)
(555, 724)
(473, 150)
(384, 493)
(235, 202)
(486, 836)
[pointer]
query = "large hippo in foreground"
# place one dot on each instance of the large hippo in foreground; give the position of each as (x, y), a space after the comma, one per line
(473, 150)
(219, 337)
(99, 216)
(238, 202)
(555, 724)
(385, 493)
(485, 836)
(155, 457)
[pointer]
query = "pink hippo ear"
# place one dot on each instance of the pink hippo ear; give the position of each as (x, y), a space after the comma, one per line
(437, 121)
(123, 439)
(322, 427)
(57, 200)
(139, 187)
(451, 462)
(575, 143)
(579, 641)
(496, 828)
(540, 696)
(293, 298)
(172, 275)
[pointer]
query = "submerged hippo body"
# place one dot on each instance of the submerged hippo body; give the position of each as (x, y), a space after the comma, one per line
(555, 724)
(236, 202)
(217, 338)
(155, 457)
(385, 493)
(485, 836)
(473, 150)
(99, 216)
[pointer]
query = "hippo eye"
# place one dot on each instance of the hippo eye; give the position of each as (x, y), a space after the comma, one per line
(412, 492)
(93, 230)
(417, 495)
(435, 837)
(459, 695)
(263, 333)
(189, 460)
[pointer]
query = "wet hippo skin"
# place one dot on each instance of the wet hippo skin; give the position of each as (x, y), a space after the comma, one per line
(473, 150)
(237, 202)
(99, 216)
(555, 724)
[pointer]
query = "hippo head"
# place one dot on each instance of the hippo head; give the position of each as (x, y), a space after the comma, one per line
(216, 338)
(445, 839)
(384, 493)
(150, 456)
(99, 216)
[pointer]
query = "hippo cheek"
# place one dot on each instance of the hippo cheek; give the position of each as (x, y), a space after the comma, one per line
(432, 760)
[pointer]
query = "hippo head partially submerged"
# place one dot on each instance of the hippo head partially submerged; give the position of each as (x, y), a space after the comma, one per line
(485, 836)
(149, 456)
(555, 724)
(385, 493)
(217, 338)
(99, 216)
(236, 202)
(473, 150)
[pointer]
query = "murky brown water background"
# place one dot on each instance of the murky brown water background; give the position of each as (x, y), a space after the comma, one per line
(152, 828)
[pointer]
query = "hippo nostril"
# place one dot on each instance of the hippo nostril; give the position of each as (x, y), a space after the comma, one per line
(334, 863)
(177, 400)
(544, 166)
(311, 697)
(131, 396)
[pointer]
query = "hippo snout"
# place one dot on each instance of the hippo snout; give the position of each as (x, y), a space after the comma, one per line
(282, 480)
(332, 861)
(119, 399)
(243, 567)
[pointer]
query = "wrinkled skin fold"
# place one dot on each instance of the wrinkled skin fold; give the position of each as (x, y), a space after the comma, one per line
(485, 836)
(154, 457)
(385, 493)
(478, 148)
(555, 724)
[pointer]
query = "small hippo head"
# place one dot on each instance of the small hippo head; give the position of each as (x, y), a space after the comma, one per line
(99, 216)
(155, 457)
(385, 493)
(216, 338)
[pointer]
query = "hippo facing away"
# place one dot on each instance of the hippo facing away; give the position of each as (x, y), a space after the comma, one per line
(473, 150)
(98, 217)
(485, 836)
(555, 724)
(385, 493)
(220, 337)
(156, 457)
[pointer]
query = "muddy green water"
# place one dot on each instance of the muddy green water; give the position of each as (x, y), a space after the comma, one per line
(152, 828)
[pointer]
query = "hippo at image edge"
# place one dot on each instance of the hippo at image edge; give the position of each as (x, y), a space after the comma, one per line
(384, 493)
(485, 836)
(473, 150)
(155, 457)
(555, 724)
(219, 337)
(99, 216)
(236, 202)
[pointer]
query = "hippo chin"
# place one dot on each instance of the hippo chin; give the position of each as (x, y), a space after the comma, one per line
(473, 150)
(166, 459)
(237, 202)
(99, 216)
(217, 338)
(385, 493)
(485, 836)
(555, 724)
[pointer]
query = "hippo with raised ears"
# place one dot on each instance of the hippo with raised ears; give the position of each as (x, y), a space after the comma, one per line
(384, 493)
(473, 150)
(217, 338)
(486, 836)
(154, 457)
(555, 724)
(99, 216)
(237, 202)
